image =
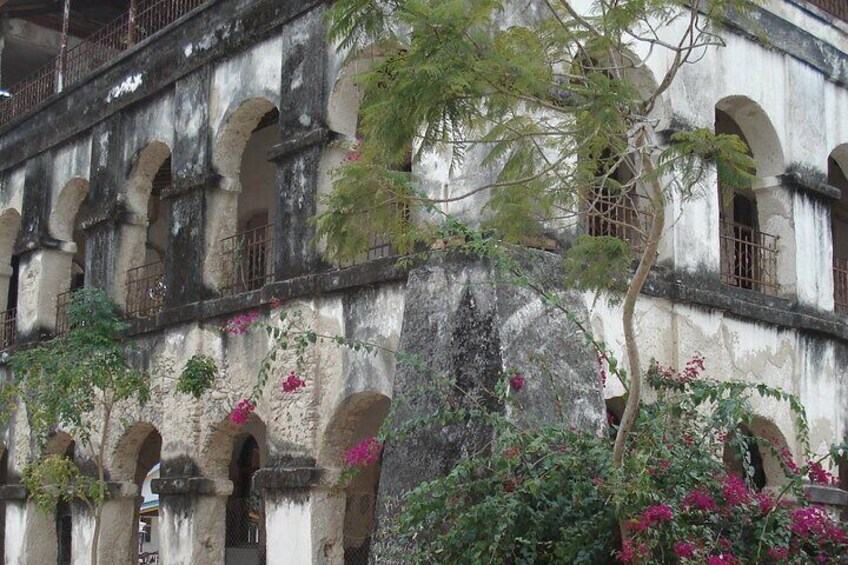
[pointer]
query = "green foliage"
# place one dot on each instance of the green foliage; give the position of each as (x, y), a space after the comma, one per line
(599, 262)
(56, 478)
(65, 382)
(198, 375)
(551, 104)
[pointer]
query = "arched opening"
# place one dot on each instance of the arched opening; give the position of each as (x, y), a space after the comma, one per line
(10, 223)
(140, 273)
(839, 228)
(760, 462)
(243, 211)
(130, 529)
(344, 119)
(357, 419)
(613, 205)
(65, 226)
(61, 443)
(245, 517)
(749, 255)
(147, 514)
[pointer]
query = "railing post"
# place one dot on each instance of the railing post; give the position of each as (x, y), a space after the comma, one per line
(63, 48)
(131, 24)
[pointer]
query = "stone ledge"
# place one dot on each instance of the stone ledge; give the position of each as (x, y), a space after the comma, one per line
(191, 486)
(297, 142)
(276, 478)
(370, 273)
(708, 291)
(13, 492)
(831, 496)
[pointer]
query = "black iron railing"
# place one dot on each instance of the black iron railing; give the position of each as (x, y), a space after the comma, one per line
(748, 258)
(248, 260)
(146, 290)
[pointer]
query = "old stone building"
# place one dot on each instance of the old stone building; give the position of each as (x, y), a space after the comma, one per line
(174, 158)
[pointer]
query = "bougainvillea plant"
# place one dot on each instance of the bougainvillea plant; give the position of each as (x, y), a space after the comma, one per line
(552, 495)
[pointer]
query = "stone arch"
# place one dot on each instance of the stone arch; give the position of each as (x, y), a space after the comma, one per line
(63, 215)
(759, 133)
(765, 439)
(145, 227)
(137, 441)
(243, 208)
(357, 418)
(233, 137)
(221, 444)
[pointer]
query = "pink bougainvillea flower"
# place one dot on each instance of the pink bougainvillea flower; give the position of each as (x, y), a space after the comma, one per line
(699, 500)
(241, 323)
(292, 383)
(364, 453)
(735, 490)
(684, 550)
(819, 474)
(242, 411)
(517, 381)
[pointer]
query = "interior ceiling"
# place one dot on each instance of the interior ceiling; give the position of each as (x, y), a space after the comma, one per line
(87, 16)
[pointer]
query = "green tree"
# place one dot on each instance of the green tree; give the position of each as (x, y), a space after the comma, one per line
(553, 104)
(74, 383)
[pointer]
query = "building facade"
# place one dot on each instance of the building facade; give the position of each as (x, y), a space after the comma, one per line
(174, 159)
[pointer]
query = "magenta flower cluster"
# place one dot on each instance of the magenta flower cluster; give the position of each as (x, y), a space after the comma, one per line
(517, 381)
(241, 413)
(653, 516)
(292, 383)
(364, 453)
(241, 323)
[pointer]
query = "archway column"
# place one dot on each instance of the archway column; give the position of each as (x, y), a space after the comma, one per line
(775, 215)
(5, 279)
(304, 519)
(30, 534)
(44, 273)
(119, 525)
(192, 519)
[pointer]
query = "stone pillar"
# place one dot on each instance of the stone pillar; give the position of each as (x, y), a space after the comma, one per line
(30, 535)
(44, 273)
(775, 216)
(302, 117)
(307, 521)
(118, 542)
(5, 279)
(131, 251)
(192, 165)
(192, 519)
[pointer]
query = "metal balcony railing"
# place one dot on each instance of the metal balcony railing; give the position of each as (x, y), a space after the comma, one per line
(149, 558)
(248, 260)
(8, 328)
(91, 53)
(748, 258)
(623, 216)
(62, 301)
(146, 290)
(840, 285)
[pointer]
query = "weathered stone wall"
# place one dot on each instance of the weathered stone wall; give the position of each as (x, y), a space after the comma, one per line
(76, 181)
